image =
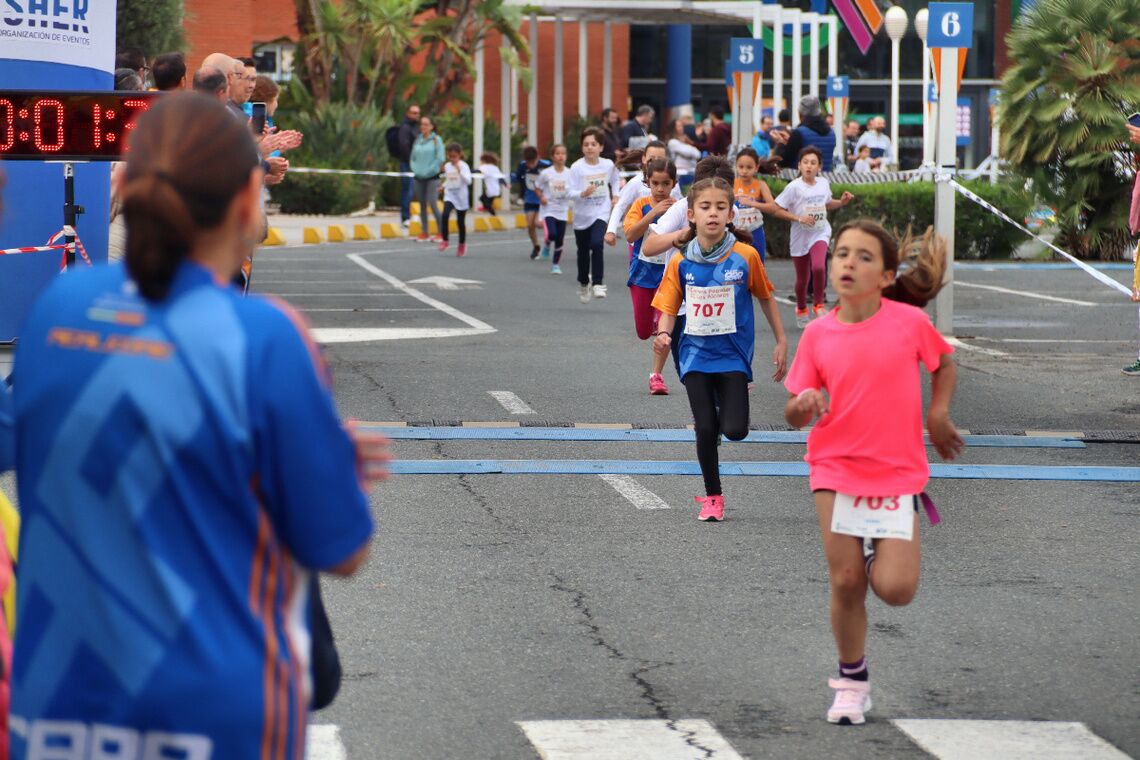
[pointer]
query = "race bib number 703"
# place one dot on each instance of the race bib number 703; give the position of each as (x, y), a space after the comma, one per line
(873, 516)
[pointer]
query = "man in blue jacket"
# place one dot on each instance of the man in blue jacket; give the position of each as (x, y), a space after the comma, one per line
(812, 131)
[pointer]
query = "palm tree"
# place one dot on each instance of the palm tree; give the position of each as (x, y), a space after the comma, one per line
(366, 47)
(1074, 79)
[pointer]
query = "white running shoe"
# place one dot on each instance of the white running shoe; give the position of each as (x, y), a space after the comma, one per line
(584, 293)
(599, 291)
(852, 701)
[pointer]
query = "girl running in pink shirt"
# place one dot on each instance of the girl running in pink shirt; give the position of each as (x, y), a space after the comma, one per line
(857, 370)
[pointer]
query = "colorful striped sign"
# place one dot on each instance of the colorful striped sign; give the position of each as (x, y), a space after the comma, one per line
(854, 22)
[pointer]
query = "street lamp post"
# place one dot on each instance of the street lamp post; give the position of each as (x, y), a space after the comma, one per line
(921, 20)
(896, 20)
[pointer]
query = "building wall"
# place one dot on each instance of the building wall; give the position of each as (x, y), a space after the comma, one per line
(595, 37)
(235, 26)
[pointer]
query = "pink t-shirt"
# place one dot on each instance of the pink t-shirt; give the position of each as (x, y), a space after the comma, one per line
(870, 442)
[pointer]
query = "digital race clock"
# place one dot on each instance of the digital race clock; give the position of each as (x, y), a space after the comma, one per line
(68, 126)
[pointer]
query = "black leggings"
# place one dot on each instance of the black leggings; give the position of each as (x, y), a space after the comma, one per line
(488, 202)
(729, 390)
(461, 215)
(591, 250)
(555, 233)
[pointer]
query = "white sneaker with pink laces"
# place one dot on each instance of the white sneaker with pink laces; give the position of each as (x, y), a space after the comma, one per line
(852, 700)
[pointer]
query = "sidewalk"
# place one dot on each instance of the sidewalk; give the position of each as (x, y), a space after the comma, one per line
(289, 229)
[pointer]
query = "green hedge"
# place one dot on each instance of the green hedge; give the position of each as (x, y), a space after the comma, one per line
(322, 193)
(978, 233)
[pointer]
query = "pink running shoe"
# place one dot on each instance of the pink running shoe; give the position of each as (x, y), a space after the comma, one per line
(852, 700)
(712, 508)
(657, 385)
(443, 245)
(462, 250)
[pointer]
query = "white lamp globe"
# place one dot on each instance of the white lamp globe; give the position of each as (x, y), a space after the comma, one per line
(896, 22)
(921, 20)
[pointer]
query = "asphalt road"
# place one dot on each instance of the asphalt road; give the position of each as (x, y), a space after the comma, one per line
(492, 600)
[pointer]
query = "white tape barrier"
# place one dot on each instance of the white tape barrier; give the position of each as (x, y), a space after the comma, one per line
(1094, 273)
(367, 173)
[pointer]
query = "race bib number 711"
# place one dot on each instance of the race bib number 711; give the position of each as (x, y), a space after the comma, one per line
(873, 516)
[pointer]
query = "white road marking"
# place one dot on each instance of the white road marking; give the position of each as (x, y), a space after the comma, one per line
(627, 740)
(1023, 293)
(448, 283)
(640, 496)
(307, 311)
(956, 343)
(358, 294)
(328, 335)
(1008, 740)
(511, 402)
(1051, 340)
(323, 743)
(366, 334)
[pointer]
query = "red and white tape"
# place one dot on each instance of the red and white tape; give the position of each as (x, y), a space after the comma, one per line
(51, 245)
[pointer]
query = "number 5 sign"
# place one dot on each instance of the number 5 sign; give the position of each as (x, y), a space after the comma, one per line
(746, 54)
(951, 25)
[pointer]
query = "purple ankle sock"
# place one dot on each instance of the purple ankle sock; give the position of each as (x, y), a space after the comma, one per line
(856, 671)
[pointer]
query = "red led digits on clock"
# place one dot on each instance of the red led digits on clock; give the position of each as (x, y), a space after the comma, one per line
(141, 105)
(49, 146)
(7, 125)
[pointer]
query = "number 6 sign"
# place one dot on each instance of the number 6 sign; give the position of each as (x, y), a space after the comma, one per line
(951, 25)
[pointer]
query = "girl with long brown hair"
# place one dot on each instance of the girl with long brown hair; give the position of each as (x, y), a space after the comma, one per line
(856, 369)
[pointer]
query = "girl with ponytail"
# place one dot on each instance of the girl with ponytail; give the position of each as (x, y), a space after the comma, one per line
(173, 439)
(716, 274)
(857, 371)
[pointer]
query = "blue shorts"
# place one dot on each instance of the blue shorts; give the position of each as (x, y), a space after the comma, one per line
(531, 208)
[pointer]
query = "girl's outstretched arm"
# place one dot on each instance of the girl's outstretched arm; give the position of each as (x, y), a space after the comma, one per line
(947, 442)
(802, 409)
(780, 353)
(664, 337)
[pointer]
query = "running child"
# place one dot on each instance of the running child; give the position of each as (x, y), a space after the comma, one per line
(721, 275)
(645, 272)
(456, 196)
(553, 189)
(636, 188)
(805, 203)
(857, 370)
(526, 174)
(674, 224)
(752, 197)
(492, 181)
(594, 185)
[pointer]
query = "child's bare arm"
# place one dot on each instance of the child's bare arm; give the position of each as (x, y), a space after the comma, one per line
(947, 442)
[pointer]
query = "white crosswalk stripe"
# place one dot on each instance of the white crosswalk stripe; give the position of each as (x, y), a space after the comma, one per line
(637, 494)
(1008, 740)
(686, 739)
(627, 740)
(323, 743)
